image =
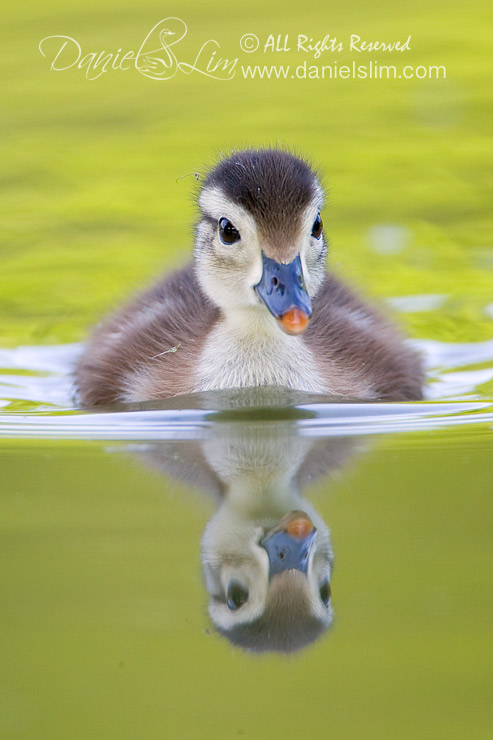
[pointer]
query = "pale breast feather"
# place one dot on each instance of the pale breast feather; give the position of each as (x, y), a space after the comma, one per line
(229, 360)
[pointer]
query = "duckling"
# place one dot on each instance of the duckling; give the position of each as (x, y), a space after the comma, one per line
(266, 552)
(255, 307)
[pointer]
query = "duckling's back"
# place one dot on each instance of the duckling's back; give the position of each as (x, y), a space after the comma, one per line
(359, 351)
(148, 349)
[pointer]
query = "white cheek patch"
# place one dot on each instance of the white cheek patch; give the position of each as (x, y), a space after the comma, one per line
(203, 231)
(310, 248)
(256, 270)
(306, 272)
(246, 262)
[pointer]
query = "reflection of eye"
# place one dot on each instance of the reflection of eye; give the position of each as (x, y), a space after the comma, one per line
(237, 595)
(317, 227)
(227, 232)
(325, 593)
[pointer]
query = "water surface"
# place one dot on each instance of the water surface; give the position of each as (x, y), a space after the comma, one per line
(106, 622)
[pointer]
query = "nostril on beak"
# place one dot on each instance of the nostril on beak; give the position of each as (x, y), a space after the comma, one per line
(277, 286)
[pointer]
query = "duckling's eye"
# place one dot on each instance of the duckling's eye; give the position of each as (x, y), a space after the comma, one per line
(227, 232)
(317, 227)
(325, 593)
(236, 596)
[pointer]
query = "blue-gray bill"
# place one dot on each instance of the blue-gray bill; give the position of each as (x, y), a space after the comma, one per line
(282, 289)
(289, 546)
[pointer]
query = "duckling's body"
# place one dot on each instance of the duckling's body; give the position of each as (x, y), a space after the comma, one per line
(221, 322)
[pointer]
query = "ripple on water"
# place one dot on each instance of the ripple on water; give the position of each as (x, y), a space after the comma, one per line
(36, 393)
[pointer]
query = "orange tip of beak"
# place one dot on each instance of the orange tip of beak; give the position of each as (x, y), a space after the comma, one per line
(294, 321)
(300, 527)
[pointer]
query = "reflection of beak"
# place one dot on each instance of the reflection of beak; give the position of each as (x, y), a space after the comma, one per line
(282, 289)
(290, 543)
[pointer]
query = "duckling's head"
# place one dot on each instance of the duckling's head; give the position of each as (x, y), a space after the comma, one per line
(259, 243)
(269, 585)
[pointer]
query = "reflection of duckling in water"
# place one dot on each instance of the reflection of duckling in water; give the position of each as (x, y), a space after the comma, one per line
(267, 560)
(266, 553)
(256, 307)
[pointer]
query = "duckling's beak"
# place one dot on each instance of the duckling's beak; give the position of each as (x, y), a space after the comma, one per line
(282, 289)
(289, 544)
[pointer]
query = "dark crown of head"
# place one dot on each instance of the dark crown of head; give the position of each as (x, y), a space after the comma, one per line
(273, 185)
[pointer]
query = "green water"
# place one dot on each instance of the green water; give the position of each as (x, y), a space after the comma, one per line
(92, 203)
(104, 623)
